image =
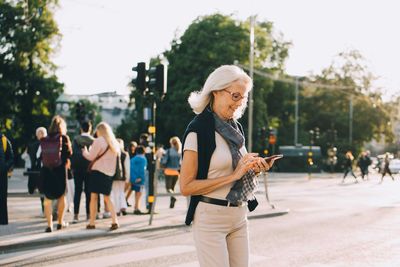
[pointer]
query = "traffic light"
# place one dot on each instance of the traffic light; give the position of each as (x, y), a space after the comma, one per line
(141, 77)
(310, 158)
(158, 79)
(316, 133)
(80, 111)
(272, 136)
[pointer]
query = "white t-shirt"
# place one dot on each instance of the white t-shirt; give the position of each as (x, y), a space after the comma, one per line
(220, 164)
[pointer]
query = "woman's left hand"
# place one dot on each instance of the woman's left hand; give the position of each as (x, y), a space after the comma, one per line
(261, 165)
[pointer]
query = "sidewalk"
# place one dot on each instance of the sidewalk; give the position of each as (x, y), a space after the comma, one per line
(26, 224)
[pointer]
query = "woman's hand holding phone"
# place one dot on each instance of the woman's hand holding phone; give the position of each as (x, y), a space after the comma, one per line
(264, 164)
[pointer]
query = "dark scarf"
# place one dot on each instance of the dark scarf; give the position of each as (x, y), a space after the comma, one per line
(243, 188)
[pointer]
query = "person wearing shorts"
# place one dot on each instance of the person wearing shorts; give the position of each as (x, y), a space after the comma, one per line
(138, 170)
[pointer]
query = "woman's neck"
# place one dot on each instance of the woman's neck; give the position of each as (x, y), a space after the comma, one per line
(219, 113)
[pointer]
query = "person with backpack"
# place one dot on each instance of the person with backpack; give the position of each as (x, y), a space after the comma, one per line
(80, 168)
(55, 153)
(6, 163)
(119, 183)
(172, 163)
(103, 155)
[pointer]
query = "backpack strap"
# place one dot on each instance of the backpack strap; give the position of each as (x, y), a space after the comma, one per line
(96, 159)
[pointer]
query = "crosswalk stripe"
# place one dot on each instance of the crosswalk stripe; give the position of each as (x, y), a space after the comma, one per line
(128, 257)
(84, 246)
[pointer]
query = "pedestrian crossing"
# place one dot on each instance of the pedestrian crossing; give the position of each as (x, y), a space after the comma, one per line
(48, 256)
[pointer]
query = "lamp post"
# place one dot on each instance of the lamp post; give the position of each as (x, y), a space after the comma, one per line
(251, 58)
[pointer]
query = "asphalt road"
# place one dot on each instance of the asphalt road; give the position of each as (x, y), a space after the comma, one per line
(329, 224)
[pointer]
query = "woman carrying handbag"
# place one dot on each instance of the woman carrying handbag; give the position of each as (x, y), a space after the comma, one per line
(103, 156)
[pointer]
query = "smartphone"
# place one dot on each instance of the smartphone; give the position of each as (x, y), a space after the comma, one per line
(275, 157)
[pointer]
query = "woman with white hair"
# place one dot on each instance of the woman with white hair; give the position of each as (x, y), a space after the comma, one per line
(103, 156)
(217, 172)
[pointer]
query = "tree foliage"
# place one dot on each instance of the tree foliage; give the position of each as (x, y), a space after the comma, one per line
(329, 108)
(28, 85)
(209, 42)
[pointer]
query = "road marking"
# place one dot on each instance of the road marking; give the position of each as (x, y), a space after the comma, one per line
(83, 246)
(129, 257)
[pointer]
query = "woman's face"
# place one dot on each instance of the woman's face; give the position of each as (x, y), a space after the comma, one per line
(228, 100)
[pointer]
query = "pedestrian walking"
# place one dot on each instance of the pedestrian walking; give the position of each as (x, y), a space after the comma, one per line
(55, 152)
(348, 166)
(118, 187)
(103, 156)
(132, 152)
(138, 173)
(132, 147)
(159, 173)
(80, 168)
(386, 169)
(6, 163)
(172, 165)
(363, 163)
(148, 153)
(217, 172)
(35, 180)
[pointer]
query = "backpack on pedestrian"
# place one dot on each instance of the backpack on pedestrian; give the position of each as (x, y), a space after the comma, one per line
(51, 151)
(78, 162)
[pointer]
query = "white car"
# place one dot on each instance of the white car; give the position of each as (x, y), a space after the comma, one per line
(394, 165)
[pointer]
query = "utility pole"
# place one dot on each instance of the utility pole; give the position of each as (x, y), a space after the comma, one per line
(351, 120)
(251, 103)
(296, 113)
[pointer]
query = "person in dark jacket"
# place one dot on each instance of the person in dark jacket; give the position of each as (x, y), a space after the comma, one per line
(217, 171)
(35, 180)
(6, 163)
(348, 166)
(80, 168)
(386, 169)
(54, 179)
(363, 162)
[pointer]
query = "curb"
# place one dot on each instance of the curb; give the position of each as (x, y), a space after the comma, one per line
(74, 238)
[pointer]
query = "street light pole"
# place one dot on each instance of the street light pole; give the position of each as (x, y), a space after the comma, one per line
(351, 120)
(251, 58)
(296, 113)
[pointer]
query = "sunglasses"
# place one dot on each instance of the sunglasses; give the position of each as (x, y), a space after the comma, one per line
(235, 96)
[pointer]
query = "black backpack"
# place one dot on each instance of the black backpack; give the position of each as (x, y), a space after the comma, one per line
(78, 162)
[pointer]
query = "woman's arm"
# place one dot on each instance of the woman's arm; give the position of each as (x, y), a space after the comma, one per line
(93, 151)
(189, 185)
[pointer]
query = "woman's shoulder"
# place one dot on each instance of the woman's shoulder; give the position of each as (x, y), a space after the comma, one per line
(100, 140)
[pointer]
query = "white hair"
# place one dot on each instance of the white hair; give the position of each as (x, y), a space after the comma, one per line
(41, 130)
(219, 79)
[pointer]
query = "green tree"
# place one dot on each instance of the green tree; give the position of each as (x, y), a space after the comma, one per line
(28, 85)
(209, 42)
(329, 108)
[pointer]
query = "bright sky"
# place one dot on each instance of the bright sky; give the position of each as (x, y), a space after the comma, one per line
(103, 40)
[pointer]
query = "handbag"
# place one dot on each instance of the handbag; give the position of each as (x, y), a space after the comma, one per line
(119, 175)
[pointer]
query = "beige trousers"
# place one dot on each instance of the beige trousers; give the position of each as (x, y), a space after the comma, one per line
(221, 235)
